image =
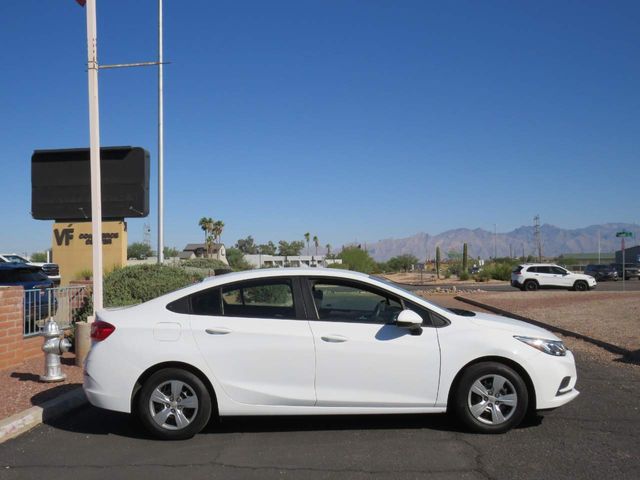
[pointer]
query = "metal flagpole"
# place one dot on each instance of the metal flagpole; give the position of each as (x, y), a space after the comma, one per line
(160, 142)
(94, 137)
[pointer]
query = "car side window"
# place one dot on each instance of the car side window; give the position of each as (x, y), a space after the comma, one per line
(345, 301)
(544, 270)
(532, 270)
(268, 298)
(558, 270)
(206, 302)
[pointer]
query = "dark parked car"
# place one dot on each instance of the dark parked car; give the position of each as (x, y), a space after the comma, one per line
(631, 270)
(37, 289)
(601, 272)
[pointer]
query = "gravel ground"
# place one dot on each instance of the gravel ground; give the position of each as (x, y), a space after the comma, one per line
(613, 317)
(23, 389)
(448, 301)
(414, 278)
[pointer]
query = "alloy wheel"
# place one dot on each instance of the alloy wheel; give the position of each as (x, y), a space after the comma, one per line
(173, 405)
(492, 399)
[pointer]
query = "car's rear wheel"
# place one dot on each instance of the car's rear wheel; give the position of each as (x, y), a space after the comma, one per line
(491, 398)
(581, 286)
(531, 285)
(174, 404)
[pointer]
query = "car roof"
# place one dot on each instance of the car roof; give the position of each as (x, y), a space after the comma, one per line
(539, 265)
(17, 266)
(280, 272)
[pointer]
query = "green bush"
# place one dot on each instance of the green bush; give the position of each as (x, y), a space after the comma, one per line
(343, 266)
(210, 263)
(463, 276)
(354, 258)
(137, 284)
(499, 271)
(447, 274)
(483, 276)
(236, 260)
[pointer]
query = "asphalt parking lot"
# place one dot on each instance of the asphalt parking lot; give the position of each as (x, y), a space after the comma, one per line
(597, 436)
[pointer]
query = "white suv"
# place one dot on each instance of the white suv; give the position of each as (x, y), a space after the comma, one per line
(532, 276)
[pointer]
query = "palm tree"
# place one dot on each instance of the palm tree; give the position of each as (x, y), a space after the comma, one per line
(207, 226)
(307, 237)
(316, 242)
(218, 227)
(203, 225)
(328, 247)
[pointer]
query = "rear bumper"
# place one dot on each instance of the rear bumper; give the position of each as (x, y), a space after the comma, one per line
(99, 397)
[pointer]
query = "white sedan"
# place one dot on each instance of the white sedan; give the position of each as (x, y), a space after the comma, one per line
(318, 342)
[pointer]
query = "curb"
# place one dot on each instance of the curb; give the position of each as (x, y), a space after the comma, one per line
(27, 419)
(567, 333)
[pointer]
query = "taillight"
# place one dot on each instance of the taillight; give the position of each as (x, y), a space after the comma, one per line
(101, 330)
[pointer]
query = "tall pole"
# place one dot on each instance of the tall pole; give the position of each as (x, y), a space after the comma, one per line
(94, 139)
(598, 246)
(623, 265)
(160, 142)
(495, 242)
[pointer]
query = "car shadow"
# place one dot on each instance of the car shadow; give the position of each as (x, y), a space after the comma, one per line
(90, 420)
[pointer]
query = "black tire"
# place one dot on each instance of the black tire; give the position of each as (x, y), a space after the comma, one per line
(515, 385)
(531, 285)
(580, 286)
(189, 386)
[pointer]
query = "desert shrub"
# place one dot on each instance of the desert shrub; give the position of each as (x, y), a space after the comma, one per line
(344, 266)
(499, 271)
(210, 263)
(483, 276)
(447, 274)
(137, 284)
(236, 260)
(464, 276)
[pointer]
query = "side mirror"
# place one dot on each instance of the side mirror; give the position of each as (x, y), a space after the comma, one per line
(409, 319)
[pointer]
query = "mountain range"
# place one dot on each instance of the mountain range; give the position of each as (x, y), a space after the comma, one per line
(555, 241)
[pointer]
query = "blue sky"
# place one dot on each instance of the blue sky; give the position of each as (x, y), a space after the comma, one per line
(348, 119)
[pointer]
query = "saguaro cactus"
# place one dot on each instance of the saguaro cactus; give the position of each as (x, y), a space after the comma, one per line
(465, 258)
(438, 263)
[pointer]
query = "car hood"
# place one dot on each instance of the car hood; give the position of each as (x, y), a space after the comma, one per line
(516, 327)
(582, 276)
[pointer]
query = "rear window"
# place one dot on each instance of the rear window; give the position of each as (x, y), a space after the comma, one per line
(517, 269)
(26, 275)
(260, 299)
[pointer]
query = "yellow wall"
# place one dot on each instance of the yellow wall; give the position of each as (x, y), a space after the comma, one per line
(72, 245)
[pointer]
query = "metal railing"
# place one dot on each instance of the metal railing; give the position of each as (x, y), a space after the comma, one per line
(61, 303)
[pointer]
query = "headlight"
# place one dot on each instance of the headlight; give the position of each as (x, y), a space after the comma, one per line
(551, 347)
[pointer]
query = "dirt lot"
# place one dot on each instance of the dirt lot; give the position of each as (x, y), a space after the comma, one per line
(612, 317)
(414, 278)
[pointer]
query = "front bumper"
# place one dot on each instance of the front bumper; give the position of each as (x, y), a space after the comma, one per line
(548, 380)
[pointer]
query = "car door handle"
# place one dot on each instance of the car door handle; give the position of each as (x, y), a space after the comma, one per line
(218, 331)
(334, 338)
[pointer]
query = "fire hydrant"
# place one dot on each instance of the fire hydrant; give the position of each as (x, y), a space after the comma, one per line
(53, 347)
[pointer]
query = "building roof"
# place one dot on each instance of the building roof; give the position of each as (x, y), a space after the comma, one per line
(194, 246)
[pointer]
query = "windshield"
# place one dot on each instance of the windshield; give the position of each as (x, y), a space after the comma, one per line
(409, 293)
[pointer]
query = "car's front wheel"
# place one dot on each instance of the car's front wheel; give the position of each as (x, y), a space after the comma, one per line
(174, 404)
(581, 286)
(491, 398)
